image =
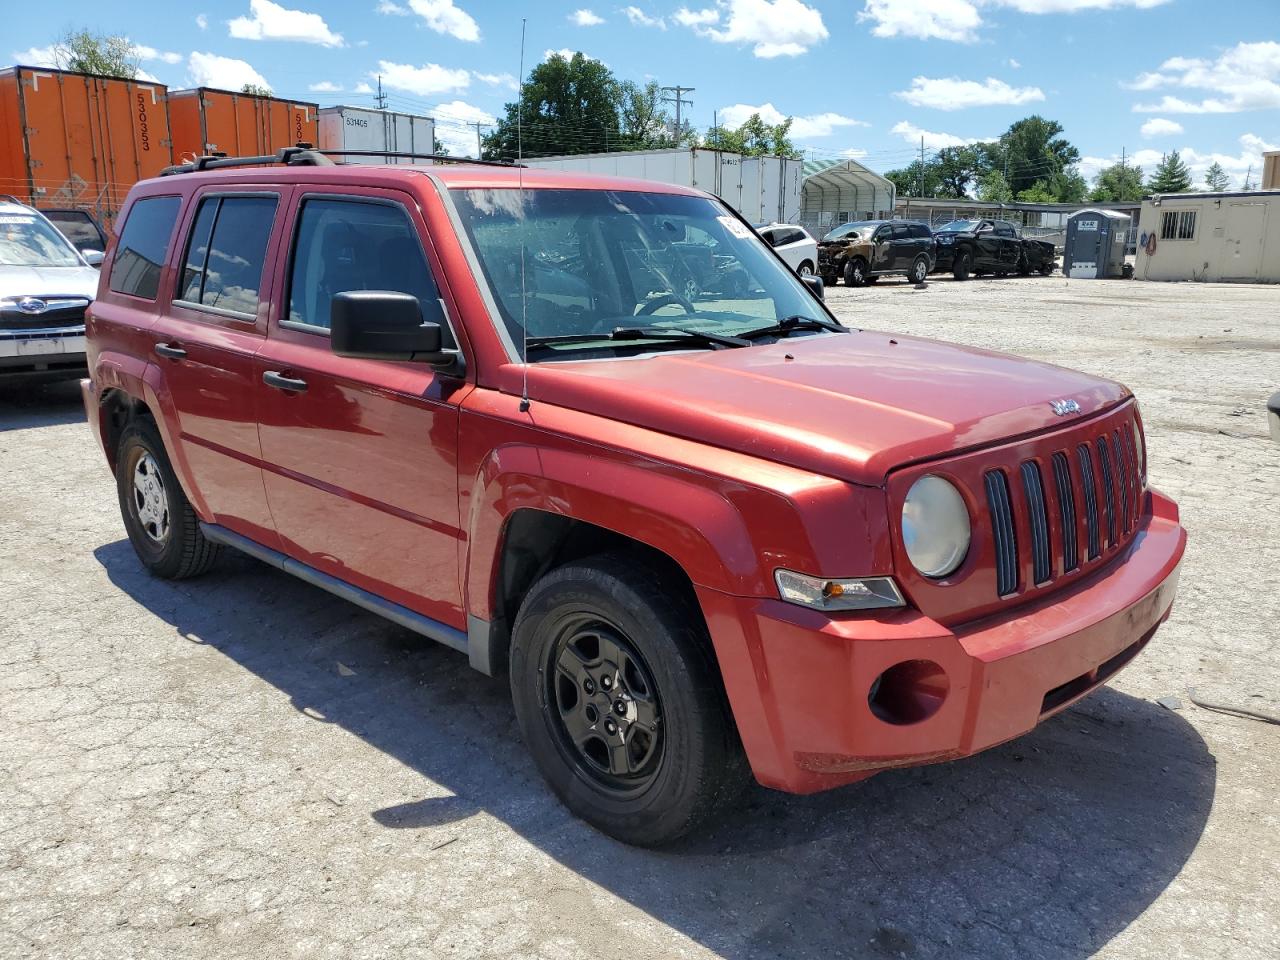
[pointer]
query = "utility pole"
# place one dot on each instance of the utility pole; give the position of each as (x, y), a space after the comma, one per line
(479, 142)
(1248, 176)
(677, 98)
(1122, 158)
(922, 166)
(382, 97)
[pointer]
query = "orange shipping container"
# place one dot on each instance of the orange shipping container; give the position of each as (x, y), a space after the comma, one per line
(73, 139)
(238, 124)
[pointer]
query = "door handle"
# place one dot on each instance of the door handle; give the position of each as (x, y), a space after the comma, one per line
(170, 352)
(273, 378)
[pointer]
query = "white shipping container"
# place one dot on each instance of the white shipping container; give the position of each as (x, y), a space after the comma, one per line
(762, 189)
(359, 128)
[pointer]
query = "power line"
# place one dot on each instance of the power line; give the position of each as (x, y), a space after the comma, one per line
(678, 100)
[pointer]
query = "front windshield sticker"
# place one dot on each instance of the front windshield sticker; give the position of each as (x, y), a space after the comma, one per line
(26, 220)
(735, 227)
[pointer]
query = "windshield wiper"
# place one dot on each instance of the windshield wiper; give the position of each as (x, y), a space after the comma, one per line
(660, 334)
(788, 325)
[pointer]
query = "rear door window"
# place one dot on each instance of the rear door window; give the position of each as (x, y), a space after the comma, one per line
(342, 245)
(143, 246)
(226, 253)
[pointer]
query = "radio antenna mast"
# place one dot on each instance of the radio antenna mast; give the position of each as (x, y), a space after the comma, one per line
(524, 297)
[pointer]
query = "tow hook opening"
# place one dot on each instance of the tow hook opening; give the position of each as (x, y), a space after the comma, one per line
(909, 692)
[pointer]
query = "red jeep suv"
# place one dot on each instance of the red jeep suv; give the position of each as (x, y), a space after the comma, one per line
(704, 530)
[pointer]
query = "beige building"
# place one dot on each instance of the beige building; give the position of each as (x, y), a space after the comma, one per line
(1231, 237)
(1271, 170)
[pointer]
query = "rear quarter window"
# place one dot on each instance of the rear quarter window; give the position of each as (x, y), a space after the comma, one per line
(227, 252)
(143, 247)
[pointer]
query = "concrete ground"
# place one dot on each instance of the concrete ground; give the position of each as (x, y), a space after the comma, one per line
(244, 766)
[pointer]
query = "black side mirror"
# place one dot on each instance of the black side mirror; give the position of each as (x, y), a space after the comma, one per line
(815, 285)
(386, 325)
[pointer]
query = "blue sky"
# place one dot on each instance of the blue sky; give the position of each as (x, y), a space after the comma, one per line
(863, 78)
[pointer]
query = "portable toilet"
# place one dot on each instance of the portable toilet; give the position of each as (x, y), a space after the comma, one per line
(1095, 242)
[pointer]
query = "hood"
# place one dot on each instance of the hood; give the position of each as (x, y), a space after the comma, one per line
(849, 406)
(77, 281)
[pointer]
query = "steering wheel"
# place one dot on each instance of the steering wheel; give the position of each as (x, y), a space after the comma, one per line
(657, 303)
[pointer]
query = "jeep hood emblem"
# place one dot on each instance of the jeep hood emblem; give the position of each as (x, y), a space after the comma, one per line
(1064, 407)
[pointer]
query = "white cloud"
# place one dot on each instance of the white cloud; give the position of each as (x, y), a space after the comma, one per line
(36, 57)
(498, 80)
(585, 18)
(225, 73)
(952, 93)
(143, 52)
(955, 20)
(853, 153)
(455, 126)
(443, 16)
(424, 81)
(1072, 6)
(933, 141)
(802, 127)
(202, 21)
(362, 87)
(774, 28)
(568, 54)
(1160, 127)
(387, 8)
(1014, 63)
(270, 21)
(696, 18)
(1237, 165)
(325, 86)
(639, 18)
(1245, 77)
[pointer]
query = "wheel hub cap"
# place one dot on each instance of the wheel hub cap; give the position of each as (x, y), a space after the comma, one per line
(607, 705)
(149, 500)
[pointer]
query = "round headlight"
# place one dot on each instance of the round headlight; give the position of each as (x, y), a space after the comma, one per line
(935, 526)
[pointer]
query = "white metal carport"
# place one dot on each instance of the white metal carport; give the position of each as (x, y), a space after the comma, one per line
(838, 191)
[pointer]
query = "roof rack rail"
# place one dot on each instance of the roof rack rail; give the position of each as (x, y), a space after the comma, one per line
(300, 155)
(441, 157)
(304, 154)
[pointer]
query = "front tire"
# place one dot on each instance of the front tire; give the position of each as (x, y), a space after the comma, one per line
(162, 525)
(618, 699)
(855, 272)
(806, 268)
(919, 270)
(963, 266)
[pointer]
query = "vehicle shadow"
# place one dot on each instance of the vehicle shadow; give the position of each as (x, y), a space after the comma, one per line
(1047, 847)
(23, 406)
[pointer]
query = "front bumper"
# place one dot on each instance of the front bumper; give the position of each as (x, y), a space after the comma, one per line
(799, 681)
(39, 354)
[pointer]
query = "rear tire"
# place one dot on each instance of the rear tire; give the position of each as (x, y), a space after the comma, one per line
(162, 526)
(855, 272)
(619, 701)
(1047, 268)
(805, 269)
(919, 270)
(963, 267)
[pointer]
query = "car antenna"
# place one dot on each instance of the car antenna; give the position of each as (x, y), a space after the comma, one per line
(524, 297)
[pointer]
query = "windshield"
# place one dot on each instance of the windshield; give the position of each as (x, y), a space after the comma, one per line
(597, 260)
(30, 241)
(957, 226)
(849, 229)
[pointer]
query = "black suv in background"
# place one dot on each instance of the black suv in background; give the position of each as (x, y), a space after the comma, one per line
(866, 250)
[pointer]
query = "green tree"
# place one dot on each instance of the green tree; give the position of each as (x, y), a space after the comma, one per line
(1032, 149)
(1171, 175)
(1215, 178)
(1118, 183)
(644, 123)
(86, 52)
(256, 89)
(908, 182)
(567, 106)
(755, 138)
(994, 188)
(955, 169)
(1038, 192)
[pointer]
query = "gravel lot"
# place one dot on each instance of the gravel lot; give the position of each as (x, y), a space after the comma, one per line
(242, 765)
